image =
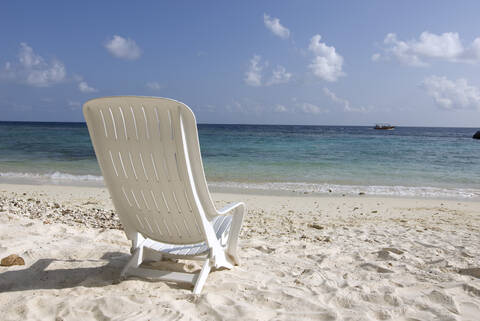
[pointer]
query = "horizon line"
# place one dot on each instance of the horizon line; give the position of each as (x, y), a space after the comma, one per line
(240, 124)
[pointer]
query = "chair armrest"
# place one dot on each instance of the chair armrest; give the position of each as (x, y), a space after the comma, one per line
(227, 209)
(238, 211)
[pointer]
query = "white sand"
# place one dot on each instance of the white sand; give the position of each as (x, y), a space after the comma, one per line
(320, 258)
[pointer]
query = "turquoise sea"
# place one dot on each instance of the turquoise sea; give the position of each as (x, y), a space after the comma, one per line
(408, 161)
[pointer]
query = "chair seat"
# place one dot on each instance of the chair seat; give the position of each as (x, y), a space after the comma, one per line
(221, 225)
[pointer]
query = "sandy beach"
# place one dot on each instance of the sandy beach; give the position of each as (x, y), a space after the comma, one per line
(303, 257)
(344, 136)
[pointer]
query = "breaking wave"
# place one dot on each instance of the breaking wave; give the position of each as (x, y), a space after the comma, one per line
(403, 191)
(60, 178)
(55, 178)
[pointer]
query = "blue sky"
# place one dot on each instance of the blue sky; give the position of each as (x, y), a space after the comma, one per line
(412, 63)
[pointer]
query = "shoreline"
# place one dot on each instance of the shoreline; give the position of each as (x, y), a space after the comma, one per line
(302, 257)
(285, 189)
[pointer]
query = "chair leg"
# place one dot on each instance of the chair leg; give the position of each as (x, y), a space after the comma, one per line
(234, 233)
(137, 239)
(135, 260)
(202, 277)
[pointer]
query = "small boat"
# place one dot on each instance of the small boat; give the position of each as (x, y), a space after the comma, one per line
(384, 126)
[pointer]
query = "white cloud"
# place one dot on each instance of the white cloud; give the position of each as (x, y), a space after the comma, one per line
(32, 69)
(309, 108)
(123, 48)
(279, 76)
(376, 57)
(327, 63)
(280, 109)
(345, 103)
(72, 103)
(246, 106)
(473, 53)
(251, 107)
(154, 85)
(13, 105)
(28, 58)
(85, 88)
(444, 47)
(273, 24)
(210, 108)
(448, 94)
(300, 107)
(253, 75)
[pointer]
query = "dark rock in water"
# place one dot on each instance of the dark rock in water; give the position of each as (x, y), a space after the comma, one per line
(477, 135)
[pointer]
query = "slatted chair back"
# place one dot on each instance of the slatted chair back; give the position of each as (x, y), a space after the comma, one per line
(149, 155)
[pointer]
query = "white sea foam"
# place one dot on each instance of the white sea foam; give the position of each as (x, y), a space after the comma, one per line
(403, 191)
(55, 177)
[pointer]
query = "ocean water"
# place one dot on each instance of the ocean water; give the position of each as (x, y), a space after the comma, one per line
(408, 161)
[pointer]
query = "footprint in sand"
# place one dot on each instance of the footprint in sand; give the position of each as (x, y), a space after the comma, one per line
(475, 272)
(444, 300)
(374, 268)
(264, 249)
(389, 253)
(471, 289)
(393, 250)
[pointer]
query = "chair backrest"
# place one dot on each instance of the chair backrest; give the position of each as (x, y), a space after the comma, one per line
(149, 154)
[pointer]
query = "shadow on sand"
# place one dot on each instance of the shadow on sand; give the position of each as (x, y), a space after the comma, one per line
(38, 276)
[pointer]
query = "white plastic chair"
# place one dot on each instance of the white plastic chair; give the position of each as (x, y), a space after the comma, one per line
(149, 154)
